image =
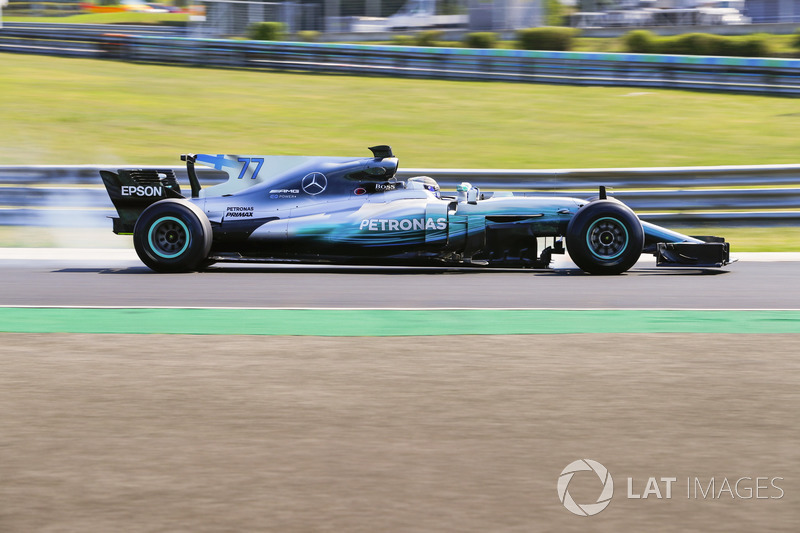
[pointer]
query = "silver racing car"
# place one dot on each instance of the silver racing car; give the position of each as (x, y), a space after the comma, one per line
(355, 211)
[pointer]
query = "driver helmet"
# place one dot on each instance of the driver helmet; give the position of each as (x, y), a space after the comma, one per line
(425, 182)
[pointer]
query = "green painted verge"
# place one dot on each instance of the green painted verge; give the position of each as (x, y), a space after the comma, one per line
(385, 322)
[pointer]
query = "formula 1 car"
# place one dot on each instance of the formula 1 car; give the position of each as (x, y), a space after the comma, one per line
(355, 211)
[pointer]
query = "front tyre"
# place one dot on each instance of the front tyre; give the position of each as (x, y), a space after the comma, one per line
(605, 237)
(172, 236)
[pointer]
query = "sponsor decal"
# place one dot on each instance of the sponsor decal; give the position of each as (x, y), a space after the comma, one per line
(314, 183)
(276, 194)
(360, 191)
(142, 190)
(369, 188)
(405, 224)
(239, 212)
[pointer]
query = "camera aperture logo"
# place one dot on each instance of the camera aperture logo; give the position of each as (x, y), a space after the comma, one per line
(585, 509)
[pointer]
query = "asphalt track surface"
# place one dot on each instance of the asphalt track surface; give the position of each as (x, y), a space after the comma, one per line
(126, 282)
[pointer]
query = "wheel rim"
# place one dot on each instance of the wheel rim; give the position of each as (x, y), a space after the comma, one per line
(168, 237)
(607, 238)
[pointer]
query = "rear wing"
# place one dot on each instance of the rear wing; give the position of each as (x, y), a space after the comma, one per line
(133, 190)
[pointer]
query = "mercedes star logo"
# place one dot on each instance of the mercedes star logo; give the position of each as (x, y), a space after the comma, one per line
(314, 183)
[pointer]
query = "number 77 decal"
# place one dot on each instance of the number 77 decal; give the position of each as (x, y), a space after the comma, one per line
(246, 165)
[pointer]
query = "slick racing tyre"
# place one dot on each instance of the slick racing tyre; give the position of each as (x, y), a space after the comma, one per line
(172, 236)
(605, 237)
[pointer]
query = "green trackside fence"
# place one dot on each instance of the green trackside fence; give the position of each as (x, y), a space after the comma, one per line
(725, 74)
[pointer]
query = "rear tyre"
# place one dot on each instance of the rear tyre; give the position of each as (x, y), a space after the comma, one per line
(605, 237)
(172, 236)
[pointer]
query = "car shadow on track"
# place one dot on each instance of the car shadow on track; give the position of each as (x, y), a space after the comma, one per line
(391, 271)
(680, 272)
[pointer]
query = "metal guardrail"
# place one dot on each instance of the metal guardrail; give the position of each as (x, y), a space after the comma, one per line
(728, 74)
(767, 195)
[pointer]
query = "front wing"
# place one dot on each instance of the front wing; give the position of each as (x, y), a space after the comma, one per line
(707, 254)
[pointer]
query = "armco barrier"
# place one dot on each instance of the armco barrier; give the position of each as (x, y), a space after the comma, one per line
(727, 74)
(767, 195)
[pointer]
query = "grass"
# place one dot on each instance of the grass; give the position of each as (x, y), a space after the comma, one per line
(779, 239)
(77, 111)
(107, 18)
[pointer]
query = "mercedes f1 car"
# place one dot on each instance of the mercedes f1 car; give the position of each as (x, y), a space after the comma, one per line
(356, 211)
